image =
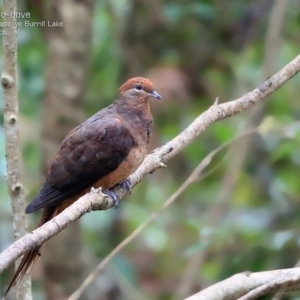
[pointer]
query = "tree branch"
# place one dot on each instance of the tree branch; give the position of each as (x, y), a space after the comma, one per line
(9, 82)
(96, 200)
(248, 286)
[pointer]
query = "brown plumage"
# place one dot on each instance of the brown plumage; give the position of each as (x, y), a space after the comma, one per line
(101, 152)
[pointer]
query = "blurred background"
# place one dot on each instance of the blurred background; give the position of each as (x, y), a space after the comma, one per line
(244, 212)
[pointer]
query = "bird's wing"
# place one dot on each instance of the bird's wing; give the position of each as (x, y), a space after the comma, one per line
(91, 151)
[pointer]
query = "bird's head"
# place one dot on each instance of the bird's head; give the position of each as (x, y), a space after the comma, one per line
(140, 88)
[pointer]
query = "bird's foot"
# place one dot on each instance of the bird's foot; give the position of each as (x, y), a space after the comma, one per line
(114, 196)
(126, 184)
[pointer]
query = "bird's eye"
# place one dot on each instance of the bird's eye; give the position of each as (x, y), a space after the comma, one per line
(138, 87)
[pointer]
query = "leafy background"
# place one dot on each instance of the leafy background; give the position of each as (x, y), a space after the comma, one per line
(244, 215)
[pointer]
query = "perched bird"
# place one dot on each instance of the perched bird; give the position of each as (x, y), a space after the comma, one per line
(101, 152)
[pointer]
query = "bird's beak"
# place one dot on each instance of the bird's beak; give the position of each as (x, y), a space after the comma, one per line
(155, 95)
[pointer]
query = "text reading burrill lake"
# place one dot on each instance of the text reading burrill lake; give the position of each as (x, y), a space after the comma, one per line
(10, 20)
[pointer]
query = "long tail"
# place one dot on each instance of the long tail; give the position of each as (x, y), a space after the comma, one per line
(32, 255)
(28, 260)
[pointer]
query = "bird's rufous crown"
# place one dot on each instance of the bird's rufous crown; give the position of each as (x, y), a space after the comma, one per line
(132, 82)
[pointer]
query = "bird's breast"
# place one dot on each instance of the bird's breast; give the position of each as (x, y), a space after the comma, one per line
(129, 165)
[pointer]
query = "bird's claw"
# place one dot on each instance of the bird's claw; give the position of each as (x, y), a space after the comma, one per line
(126, 184)
(114, 196)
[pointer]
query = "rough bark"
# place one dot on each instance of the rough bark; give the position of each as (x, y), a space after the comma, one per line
(9, 81)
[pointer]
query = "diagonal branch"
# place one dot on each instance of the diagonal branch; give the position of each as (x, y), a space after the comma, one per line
(96, 200)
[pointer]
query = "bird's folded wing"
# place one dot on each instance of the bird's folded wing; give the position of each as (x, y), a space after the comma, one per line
(91, 151)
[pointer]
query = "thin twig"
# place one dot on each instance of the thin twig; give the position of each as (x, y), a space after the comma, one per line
(215, 214)
(273, 37)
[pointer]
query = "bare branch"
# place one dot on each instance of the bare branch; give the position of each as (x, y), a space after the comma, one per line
(9, 81)
(248, 286)
(96, 200)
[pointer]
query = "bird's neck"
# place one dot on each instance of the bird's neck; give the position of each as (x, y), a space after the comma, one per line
(138, 114)
(137, 106)
(136, 110)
